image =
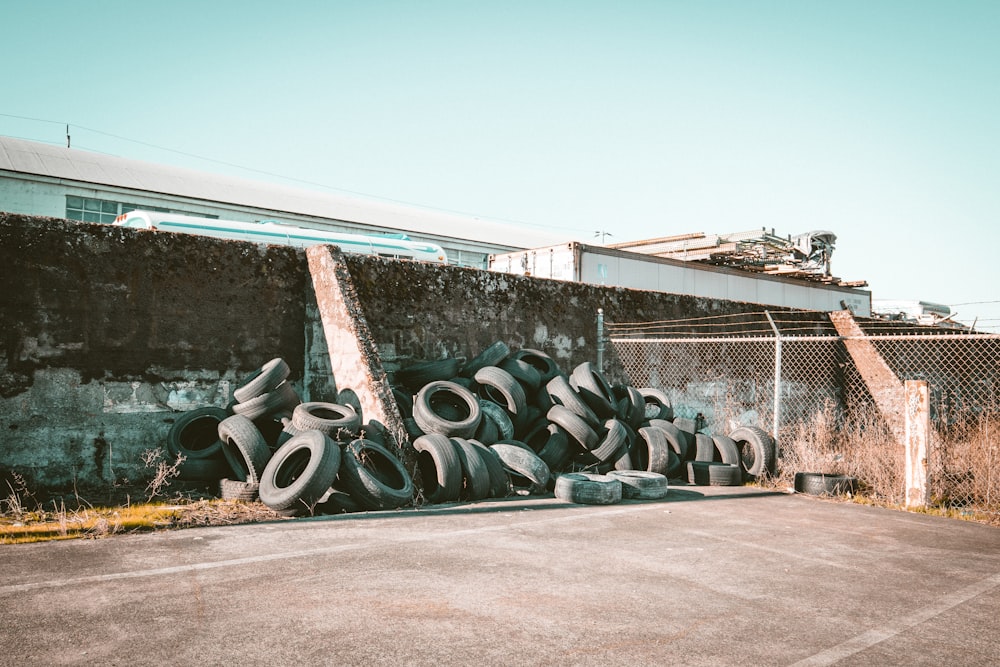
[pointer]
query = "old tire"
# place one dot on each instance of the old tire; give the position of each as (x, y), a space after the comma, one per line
(614, 439)
(657, 404)
(476, 483)
(339, 422)
(244, 448)
(499, 386)
(234, 489)
(820, 484)
(594, 389)
(448, 409)
(712, 473)
(195, 434)
(588, 489)
(641, 484)
(263, 380)
(499, 417)
(491, 356)
(574, 425)
(499, 481)
(540, 361)
(439, 468)
(562, 393)
(280, 400)
(373, 476)
(652, 453)
(755, 449)
(415, 376)
(525, 468)
(677, 439)
(300, 472)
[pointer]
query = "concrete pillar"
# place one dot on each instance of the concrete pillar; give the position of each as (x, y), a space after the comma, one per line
(918, 427)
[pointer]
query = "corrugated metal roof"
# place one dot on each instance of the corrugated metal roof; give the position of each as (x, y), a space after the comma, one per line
(31, 157)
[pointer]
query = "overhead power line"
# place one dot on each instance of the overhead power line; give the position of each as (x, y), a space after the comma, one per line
(281, 176)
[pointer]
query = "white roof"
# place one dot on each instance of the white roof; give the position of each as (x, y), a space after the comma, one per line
(31, 157)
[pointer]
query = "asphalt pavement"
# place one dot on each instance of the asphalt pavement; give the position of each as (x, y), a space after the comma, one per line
(707, 576)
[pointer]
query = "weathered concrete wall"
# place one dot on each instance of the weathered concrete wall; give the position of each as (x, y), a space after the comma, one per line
(109, 333)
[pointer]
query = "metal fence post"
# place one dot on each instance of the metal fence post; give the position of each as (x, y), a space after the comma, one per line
(777, 378)
(600, 339)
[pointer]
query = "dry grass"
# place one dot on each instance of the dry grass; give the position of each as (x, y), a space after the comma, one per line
(964, 457)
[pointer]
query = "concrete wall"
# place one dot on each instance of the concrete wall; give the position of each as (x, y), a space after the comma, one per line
(109, 334)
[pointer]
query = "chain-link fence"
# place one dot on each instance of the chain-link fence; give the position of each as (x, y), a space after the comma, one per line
(797, 376)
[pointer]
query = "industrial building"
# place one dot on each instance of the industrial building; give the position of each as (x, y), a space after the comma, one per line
(43, 179)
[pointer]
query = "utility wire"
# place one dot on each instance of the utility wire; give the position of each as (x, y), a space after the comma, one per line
(281, 176)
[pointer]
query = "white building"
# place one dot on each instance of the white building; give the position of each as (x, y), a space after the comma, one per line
(41, 179)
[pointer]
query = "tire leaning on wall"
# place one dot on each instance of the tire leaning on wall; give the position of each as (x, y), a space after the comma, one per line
(300, 472)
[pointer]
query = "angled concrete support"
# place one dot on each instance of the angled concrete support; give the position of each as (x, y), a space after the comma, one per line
(882, 383)
(354, 357)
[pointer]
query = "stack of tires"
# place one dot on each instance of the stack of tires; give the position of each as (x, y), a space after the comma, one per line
(297, 458)
(541, 422)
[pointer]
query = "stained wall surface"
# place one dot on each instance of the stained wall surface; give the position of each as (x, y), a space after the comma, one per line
(109, 334)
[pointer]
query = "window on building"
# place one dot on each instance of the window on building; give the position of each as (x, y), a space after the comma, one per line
(88, 209)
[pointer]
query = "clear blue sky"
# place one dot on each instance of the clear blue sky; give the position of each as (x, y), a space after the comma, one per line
(877, 120)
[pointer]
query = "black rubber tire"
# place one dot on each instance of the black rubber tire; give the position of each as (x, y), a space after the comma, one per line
(677, 439)
(595, 391)
(614, 439)
(234, 489)
(652, 452)
(350, 398)
(415, 376)
(755, 449)
(300, 472)
(439, 468)
(491, 356)
(337, 502)
(588, 489)
(714, 473)
(499, 481)
(476, 483)
(640, 484)
(339, 422)
(631, 407)
(820, 484)
(244, 448)
(527, 375)
(556, 452)
(726, 449)
(499, 417)
(562, 393)
(715, 448)
(574, 425)
(195, 434)
(657, 404)
(375, 431)
(373, 476)
(521, 462)
(540, 361)
(488, 433)
(282, 399)
(262, 381)
(448, 409)
(404, 401)
(202, 470)
(499, 386)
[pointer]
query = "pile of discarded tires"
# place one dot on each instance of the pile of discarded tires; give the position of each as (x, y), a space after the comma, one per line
(297, 458)
(502, 423)
(541, 422)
